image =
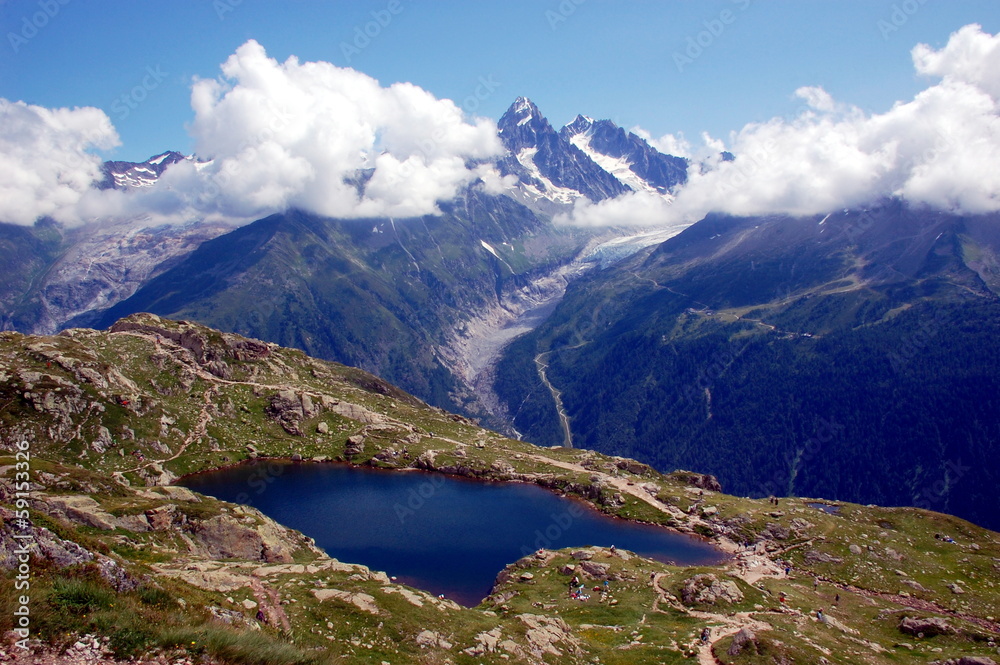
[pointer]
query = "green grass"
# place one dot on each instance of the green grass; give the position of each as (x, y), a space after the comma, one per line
(76, 601)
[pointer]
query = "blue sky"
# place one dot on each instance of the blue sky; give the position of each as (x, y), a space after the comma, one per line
(606, 59)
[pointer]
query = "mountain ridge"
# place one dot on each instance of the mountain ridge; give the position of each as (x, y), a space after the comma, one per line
(753, 332)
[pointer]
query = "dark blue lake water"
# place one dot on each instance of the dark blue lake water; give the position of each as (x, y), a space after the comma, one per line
(447, 535)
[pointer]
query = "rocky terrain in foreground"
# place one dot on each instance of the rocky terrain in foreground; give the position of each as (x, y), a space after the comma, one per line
(126, 566)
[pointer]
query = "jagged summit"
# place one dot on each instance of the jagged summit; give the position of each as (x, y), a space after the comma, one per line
(132, 175)
(628, 157)
(521, 121)
(581, 124)
(549, 167)
(524, 105)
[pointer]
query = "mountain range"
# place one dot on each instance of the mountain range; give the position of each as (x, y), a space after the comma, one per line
(847, 355)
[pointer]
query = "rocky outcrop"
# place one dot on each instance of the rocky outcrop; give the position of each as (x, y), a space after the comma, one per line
(700, 480)
(225, 537)
(355, 446)
(430, 639)
(486, 642)
(707, 589)
(18, 536)
(741, 640)
(817, 556)
(925, 627)
(289, 409)
(362, 601)
(206, 346)
(80, 509)
(548, 635)
(598, 571)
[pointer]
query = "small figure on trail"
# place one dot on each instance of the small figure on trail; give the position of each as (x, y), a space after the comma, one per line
(815, 583)
(705, 634)
(781, 597)
(819, 615)
(836, 599)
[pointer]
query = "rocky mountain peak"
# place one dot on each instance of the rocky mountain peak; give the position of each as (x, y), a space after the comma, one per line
(132, 175)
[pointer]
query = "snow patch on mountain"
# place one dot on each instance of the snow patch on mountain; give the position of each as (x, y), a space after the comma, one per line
(620, 168)
(549, 190)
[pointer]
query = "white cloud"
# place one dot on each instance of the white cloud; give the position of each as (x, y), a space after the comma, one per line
(45, 168)
(334, 141)
(296, 134)
(817, 98)
(643, 209)
(971, 56)
(270, 136)
(668, 144)
(939, 148)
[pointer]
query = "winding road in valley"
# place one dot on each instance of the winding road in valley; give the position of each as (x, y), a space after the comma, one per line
(540, 362)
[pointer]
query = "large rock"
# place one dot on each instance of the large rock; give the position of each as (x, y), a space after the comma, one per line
(161, 518)
(355, 445)
(927, 627)
(286, 408)
(430, 639)
(740, 641)
(596, 570)
(545, 635)
(816, 556)
(80, 509)
(362, 601)
(707, 589)
(225, 537)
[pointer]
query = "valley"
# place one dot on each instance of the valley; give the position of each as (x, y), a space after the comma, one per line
(719, 347)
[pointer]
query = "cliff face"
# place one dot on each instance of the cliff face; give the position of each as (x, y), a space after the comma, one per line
(111, 417)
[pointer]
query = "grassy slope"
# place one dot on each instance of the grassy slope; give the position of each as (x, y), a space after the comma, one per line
(167, 402)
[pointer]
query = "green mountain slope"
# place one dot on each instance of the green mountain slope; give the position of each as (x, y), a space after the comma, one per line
(126, 565)
(384, 295)
(853, 357)
(25, 254)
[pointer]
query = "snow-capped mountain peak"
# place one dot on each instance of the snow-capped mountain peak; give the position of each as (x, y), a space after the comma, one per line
(581, 125)
(550, 169)
(626, 156)
(133, 175)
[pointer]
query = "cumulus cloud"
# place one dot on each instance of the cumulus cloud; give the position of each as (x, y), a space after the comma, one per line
(269, 136)
(323, 138)
(45, 166)
(939, 149)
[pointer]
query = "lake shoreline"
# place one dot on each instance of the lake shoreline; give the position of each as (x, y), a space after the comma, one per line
(724, 545)
(444, 533)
